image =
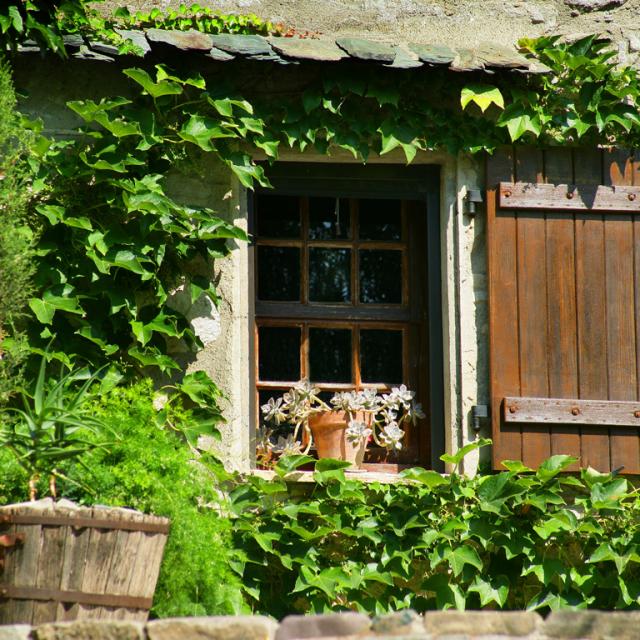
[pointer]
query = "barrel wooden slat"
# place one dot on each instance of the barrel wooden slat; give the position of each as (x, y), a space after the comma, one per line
(26, 558)
(49, 569)
(67, 555)
(73, 565)
(121, 576)
(99, 553)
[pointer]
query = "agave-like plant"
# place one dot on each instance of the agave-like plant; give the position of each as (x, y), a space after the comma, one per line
(52, 425)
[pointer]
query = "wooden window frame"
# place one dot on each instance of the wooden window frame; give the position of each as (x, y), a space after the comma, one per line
(355, 182)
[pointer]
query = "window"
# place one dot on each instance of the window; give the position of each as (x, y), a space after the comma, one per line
(341, 299)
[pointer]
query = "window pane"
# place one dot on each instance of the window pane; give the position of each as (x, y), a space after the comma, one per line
(381, 356)
(329, 218)
(380, 276)
(380, 220)
(329, 275)
(279, 356)
(330, 355)
(278, 216)
(278, 273)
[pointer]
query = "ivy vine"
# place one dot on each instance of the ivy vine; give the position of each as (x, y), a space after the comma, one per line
(106, 294)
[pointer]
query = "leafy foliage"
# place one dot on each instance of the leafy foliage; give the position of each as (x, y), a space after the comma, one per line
(150, 468)
(194, 17)
(39, 20)
(106, 272)
(50, 426)
(514, 540)
(585, 98)
(16, 247)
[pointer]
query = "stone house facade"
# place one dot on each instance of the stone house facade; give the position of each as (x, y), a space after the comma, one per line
(371, 32)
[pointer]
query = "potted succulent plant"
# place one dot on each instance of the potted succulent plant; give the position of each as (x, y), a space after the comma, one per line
(341, 429)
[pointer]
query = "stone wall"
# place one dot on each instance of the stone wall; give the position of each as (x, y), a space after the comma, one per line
(438, 625)
(457, 23)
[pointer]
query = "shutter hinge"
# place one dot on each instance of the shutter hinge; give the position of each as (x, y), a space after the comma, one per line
(472, 201)
(479, 413)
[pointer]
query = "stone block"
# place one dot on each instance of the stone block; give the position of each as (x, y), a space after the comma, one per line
(104, 47)
(84, 53)
(367, 49)
(308, 49)
(500, 57)
(90, 630)
(592, 625)
(242, 45)
(332, 625)
(570, 624)
(467, 60)
(475, 624)
(617, 625)
(184, 40)
(15, 632)
(400, 623)
(433, 54)
(214, 628)
(137, 38)
(594, 5)
(405, 60)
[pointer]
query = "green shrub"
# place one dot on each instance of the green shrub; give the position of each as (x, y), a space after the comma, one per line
(16, 254)
(152, 469)
(513, 540)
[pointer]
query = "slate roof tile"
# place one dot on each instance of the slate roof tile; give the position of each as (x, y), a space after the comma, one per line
(282, 50)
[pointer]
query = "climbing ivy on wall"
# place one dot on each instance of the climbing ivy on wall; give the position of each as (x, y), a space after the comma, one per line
(114, 245)
(107, 293)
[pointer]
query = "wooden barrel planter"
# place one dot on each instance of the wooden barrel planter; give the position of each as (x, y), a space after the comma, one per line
(60, 561)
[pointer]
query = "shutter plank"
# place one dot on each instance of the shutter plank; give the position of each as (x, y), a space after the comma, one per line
(561, 304)
(620, 319)
(532, 308)
(503, 314)
(591, 312)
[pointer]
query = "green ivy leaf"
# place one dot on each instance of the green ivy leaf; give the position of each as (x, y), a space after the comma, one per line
(153, 357)
(426, 477)
(287, 464)
(552, 466)
(154, 89)
(56, 298)
(457, 458)
(483, 95)
(495, 590)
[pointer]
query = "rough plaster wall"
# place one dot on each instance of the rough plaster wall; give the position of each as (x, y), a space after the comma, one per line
(471, 279)
(224, 331)
(463, 23)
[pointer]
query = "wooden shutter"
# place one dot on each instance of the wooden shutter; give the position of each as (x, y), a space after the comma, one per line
(564, 305)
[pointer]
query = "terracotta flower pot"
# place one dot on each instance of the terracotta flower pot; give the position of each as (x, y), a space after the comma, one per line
(329, 434)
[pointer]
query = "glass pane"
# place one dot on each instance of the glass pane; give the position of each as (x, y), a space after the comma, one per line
(380, 220)
(278, 216)
(381, 356)
(380, 276)
(330, 355)
(278, 273)
(329, 275)
(279, 353)
(329, 218)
